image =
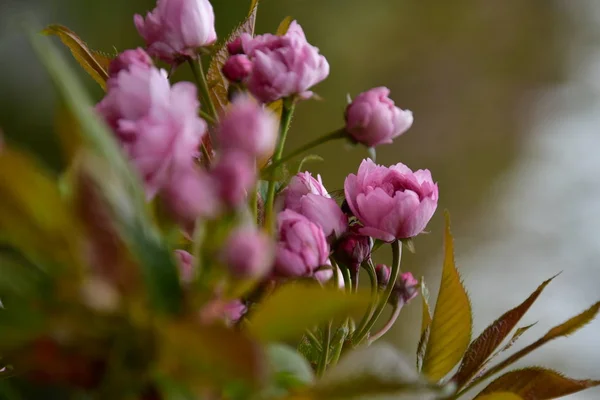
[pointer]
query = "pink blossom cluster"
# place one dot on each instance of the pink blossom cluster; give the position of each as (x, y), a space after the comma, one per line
(162, 133)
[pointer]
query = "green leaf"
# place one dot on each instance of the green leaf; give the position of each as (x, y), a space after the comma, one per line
(501, 396)
(93, 62)
(489, 340)
(121, 188)
(33, 216)
(213, 354)
(279, 317)
(452, 321)
(375, 372)
(537, 383)
(564, 329)
(426, 316)
(289, 371)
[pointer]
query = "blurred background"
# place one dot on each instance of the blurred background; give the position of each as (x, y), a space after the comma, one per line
(506, 98)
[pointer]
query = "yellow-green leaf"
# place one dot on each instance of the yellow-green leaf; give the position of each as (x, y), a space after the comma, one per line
(295, 307)
(284, 26)
(426, 317)
(501, 396)
(536, 383)
(489, 340)
(564, 329)
(33, 216)
(452, 321)
(93, 62)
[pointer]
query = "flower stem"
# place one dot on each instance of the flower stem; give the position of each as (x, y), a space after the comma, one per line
(286, 119)
(388, 325)
(395, 272)
(337, 134)
(313, 339)
(207, 117)
(374, 292)
(322, 366)
(337, 350)
(202, 84)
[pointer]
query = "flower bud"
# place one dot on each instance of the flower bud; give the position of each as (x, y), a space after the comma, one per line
(302, 246)
(177, 28)
(234, 174)
(248, 253)
(185, 263)
(237, 68)
(373, 119)
(353, 249)
(405, 289)
(129, 58)
(228, 311)
(248, 127)
(382, 272)
(235, 46)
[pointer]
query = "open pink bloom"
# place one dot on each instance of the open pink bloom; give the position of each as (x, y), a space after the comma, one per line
(157, 125)
(391, 203)
(302, 247)
(249, 253)
(129, 58)
(234, 174)
(283, 66)
(177, 28)
(372, 118)
(307, 196)
(249, 127)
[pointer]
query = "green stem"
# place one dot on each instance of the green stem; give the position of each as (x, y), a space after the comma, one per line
(286, 119)
(388, 325)
(254, 204)
(202, 84)
(207, 117)
(313, 339)
(337, 350)
(322, 366)
(337, 134)
(374, 292)
(395, 272)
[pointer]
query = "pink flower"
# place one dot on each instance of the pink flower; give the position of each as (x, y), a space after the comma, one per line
(235, 46)
(308, 196)
(237, 68)
(353, 249)
(157, 125)
(405, 289)
(229, 311)
(177, 28)
(190, 194)
(249, 253)
(129, 58)
(391, 203)
(302, 247)
(283, 66)
(373, 119)
(185, 262)
(234, 174)
(248, 127)
(382, 272)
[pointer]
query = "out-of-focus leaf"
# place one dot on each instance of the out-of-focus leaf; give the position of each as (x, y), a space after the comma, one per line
(279, 317)
(212, 354)
(33, 216)
(500, 396)
(375, 372)
(120, 186)
(69, 133)
(93, 62)
(452, 321)
(537, 383)
(489, 340)
(217, 83)
(564, 329)
(284, 26)
(289, 371)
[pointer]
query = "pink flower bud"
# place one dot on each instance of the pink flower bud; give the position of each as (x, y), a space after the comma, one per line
(373, 119)
(157, 125)
(234, 174)
(237, 68)
(405, 289)
(353, 249)
(235, 46)
(185, 262)
(302, 247)
(248, 253)
(248, 127)
(129, 58)
(222, 310)
(177, 28)
(391, 203)
(382, 272)
(283, 66)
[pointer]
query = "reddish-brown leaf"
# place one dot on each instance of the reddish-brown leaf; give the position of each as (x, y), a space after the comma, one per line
(537, 384)
(489, 340)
